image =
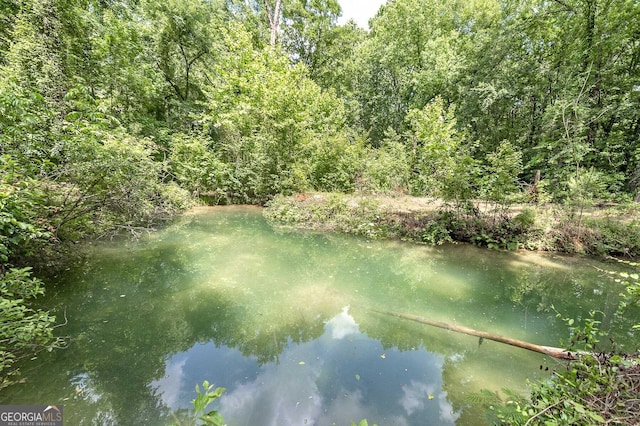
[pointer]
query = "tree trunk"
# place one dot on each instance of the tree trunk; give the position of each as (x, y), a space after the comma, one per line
(274, 20)
(547, 350)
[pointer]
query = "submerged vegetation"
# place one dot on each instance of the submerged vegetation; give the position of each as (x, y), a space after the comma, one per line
(115, 116)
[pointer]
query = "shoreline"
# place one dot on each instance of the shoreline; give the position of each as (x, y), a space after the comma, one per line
(599, 232)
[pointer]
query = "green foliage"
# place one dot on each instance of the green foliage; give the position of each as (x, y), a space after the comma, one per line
(386, 169)
(363, 422)
(108, 178)
(554, 78)
(277, 130)
(335, 164)
(23, 330)
(525, 219)
(121, 77)
(310, 33)
(112, 113)
(19, 197)
(8, 11)
(504, 165)
(197, 168)
(585, 188)
(183, 45)
(597, 388)
(333, 212)
(415, 52)
(614, 237)
(441, 165)
(495, 233)
(436, 233)
(593, 390)
(203, 398)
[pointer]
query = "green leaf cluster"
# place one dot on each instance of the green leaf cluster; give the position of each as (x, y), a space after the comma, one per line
(597, 388)
(204, 397)
(24, 331)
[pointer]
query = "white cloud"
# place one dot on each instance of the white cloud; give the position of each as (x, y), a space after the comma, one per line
(417, 394)
(169, 385)
(278, 396)
(343, 325)
(359, 10)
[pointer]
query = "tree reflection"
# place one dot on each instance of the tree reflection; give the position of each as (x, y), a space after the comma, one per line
(221, 291)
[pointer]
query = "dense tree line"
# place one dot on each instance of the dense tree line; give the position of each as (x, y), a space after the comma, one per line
(114, 114)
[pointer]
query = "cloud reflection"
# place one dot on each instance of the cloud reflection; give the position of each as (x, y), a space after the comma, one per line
(284, 394)
(328, 380)
(343, 325)
(418, 394)
(170, 384)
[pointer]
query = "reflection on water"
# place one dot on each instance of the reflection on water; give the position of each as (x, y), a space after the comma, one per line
(340, 376)
(283, 320)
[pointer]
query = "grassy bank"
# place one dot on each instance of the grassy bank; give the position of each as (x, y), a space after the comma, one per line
(613, 230)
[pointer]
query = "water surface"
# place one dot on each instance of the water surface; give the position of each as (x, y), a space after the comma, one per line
(283, 320)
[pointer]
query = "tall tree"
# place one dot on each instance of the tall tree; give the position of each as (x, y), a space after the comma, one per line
(45, 48)
(274, 20)
(416, 51)
(185, 41)
(309, 30)
(557, 79)
(8, 12)
(266, 119)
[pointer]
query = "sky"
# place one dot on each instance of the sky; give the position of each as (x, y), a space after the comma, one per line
(359, 10)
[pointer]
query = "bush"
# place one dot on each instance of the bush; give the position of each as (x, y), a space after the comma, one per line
(597, 388)
(335, 164)
(332, 212)
(386, 169)
(197, 168)
(502, 170)
(525, 219)
(23, 331)
(436, 233)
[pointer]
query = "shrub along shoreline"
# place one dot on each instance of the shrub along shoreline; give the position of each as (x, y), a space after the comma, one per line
(605, 231)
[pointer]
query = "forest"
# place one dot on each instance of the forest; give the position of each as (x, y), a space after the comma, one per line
(118, 114)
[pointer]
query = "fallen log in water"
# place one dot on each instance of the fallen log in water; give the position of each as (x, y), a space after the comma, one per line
(547, 350)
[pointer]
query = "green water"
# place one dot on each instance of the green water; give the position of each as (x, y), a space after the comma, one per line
(283, 320)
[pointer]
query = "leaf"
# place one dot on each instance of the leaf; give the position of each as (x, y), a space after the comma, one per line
(597, 417)
(578, 407)
(301, 363)
(357, 377)
(213, 418)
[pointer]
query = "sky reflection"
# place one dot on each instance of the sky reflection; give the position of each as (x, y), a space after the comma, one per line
(340, 377)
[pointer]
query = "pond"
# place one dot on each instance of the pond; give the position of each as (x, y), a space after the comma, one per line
(287, 323)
